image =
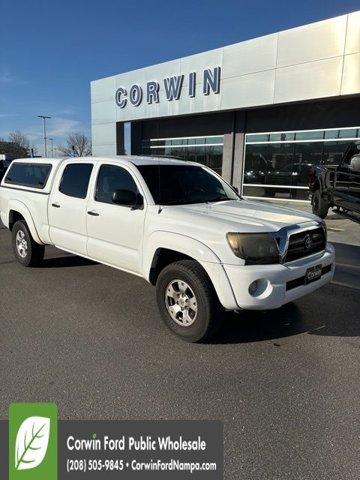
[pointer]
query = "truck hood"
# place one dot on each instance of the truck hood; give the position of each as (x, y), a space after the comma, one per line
(244, 215)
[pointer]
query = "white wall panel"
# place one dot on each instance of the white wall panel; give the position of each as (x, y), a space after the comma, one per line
(197, 63)
(353, 33)
(308, 80)
(103, 134)
(351, 75)
(103, 112)
(312, 42)
(104, 150)
(248, 90)
(250, 56)
(103, 90)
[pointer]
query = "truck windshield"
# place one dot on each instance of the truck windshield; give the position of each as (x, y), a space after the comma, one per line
(184, 184)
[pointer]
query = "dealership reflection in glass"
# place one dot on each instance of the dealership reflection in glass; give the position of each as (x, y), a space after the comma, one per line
(205, 150)
(278, 164)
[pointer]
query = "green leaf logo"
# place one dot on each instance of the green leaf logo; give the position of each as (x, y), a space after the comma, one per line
(32, 442)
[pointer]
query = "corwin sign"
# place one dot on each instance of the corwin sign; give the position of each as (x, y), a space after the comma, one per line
(173, 88)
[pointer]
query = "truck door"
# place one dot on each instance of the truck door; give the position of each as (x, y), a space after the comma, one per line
(67, 207)
(115, 231)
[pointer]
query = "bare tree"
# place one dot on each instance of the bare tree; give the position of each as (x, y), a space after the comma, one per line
(13, 150)
(77, 144)
(17, 145)
(19, 139)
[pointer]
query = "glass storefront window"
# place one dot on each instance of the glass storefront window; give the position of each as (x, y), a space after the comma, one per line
(279, 165)
(214, 158)
(250, 137)
(282, 137)
(205, 150)
(333, 151)
(215, 140)
(332, 134)
(314, 135)
(305, 156)
(127, 138)
(275, 137)
(351, 133)
(256, 164)
(287, 136)
(280, 155)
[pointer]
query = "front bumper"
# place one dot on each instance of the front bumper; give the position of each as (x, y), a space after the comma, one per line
(285, 283)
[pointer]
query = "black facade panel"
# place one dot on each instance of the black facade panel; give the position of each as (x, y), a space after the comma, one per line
(136, 137)
(189, 126)
(120, 147)
(305, 116)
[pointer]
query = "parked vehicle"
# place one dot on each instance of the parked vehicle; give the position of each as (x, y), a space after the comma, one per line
(339, 186)
(294, 174)
(178, 225)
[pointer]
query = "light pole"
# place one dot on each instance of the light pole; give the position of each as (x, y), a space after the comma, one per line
(44, 117)
(52, 146)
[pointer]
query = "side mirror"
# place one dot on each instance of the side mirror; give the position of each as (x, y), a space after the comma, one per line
(128, 198)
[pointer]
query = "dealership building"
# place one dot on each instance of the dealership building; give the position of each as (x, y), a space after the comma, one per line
(260, 112)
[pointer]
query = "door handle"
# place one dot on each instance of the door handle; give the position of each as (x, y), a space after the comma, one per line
(94, 214)
(56, 205)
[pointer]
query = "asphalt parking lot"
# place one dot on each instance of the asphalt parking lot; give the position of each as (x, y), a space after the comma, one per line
(285, 383)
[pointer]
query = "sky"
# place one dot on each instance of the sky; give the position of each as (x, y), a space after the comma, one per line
(50, 50)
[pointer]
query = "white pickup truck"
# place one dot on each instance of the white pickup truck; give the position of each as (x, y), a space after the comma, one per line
(178, 225)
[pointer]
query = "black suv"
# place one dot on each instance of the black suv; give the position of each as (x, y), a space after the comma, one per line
(338, 187)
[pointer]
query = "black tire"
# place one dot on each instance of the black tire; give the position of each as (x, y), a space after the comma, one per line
(320, 206)
(208, 317)
(33, 253)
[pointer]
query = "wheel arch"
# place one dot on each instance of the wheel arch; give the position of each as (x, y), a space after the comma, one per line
(19, 211)
(164, 248)
(163, 257)
(162, 244)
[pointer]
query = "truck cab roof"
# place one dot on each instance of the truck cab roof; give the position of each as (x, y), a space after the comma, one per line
(127, 159)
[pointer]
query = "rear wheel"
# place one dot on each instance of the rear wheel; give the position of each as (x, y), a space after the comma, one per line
(26, 250)
(187, 301)
(320, 206)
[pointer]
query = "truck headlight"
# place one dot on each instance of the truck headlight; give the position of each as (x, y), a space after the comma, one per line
(254, 248)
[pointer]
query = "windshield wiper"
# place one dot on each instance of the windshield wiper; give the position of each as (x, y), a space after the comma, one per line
(218, 199)
(182, 202)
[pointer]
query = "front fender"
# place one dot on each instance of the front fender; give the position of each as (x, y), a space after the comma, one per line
(21, 208)
(179, 243)
(198, 251)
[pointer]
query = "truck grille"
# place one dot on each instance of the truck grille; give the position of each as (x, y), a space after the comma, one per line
(305, 243)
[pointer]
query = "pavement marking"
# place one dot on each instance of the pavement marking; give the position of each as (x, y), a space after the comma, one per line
(333, 229)
(344, 284)
(347, 265)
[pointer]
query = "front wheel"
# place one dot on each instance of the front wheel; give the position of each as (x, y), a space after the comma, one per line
(187, 301)
(26, 250)
(320, 206)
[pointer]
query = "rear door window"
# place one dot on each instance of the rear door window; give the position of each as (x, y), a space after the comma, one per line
(28, 175)
(75, 179)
